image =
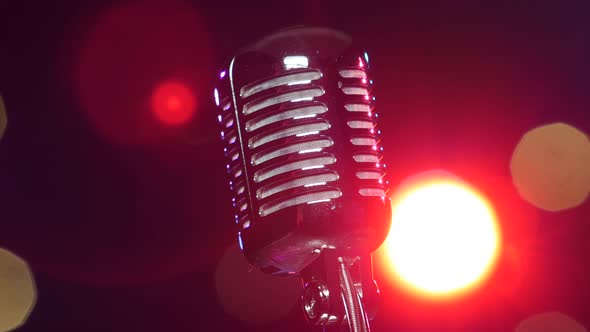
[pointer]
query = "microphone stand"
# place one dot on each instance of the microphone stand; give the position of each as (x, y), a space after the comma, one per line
(339, 292)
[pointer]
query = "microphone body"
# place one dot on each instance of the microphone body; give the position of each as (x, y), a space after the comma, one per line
(303, 150)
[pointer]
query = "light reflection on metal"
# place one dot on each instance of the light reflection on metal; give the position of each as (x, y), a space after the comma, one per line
(216, 96)
(302, 99)
(291, 79)
(295, 61)
(240, 242)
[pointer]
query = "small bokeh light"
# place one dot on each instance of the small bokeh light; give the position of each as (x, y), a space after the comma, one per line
(3, 118)
(550, 322)
(17, 291)
(136, 71)
(444, 239)
(173, 103)
(550, 167)
(250, 295)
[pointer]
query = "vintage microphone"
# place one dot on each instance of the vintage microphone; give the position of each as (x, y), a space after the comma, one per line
(304, 161)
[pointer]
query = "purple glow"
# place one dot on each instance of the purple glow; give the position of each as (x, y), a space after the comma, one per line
(222, 74)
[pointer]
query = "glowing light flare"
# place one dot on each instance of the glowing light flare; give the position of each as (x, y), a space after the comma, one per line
(444, 239)
(173, 103)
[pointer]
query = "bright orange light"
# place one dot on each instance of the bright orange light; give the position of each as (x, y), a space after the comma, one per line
(173, 103)
(444, 238)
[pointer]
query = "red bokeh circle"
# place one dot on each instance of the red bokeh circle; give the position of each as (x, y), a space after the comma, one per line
(173, 103)
(131, 52)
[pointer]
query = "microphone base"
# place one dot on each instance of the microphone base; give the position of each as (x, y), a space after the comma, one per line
(340, 293)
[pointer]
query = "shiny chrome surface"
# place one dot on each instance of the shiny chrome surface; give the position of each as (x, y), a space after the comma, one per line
(297, 118)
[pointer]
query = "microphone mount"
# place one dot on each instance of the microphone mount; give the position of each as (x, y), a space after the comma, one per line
(339, 292)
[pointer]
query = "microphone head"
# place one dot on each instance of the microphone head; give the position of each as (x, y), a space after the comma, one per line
(304, 156)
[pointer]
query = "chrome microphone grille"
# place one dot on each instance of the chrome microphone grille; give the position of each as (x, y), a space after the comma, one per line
(300, 133)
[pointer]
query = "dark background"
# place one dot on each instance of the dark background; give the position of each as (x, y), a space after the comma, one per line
(123, 219)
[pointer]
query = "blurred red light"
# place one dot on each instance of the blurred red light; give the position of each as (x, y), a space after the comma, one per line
(133, 50)
(173, 103)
